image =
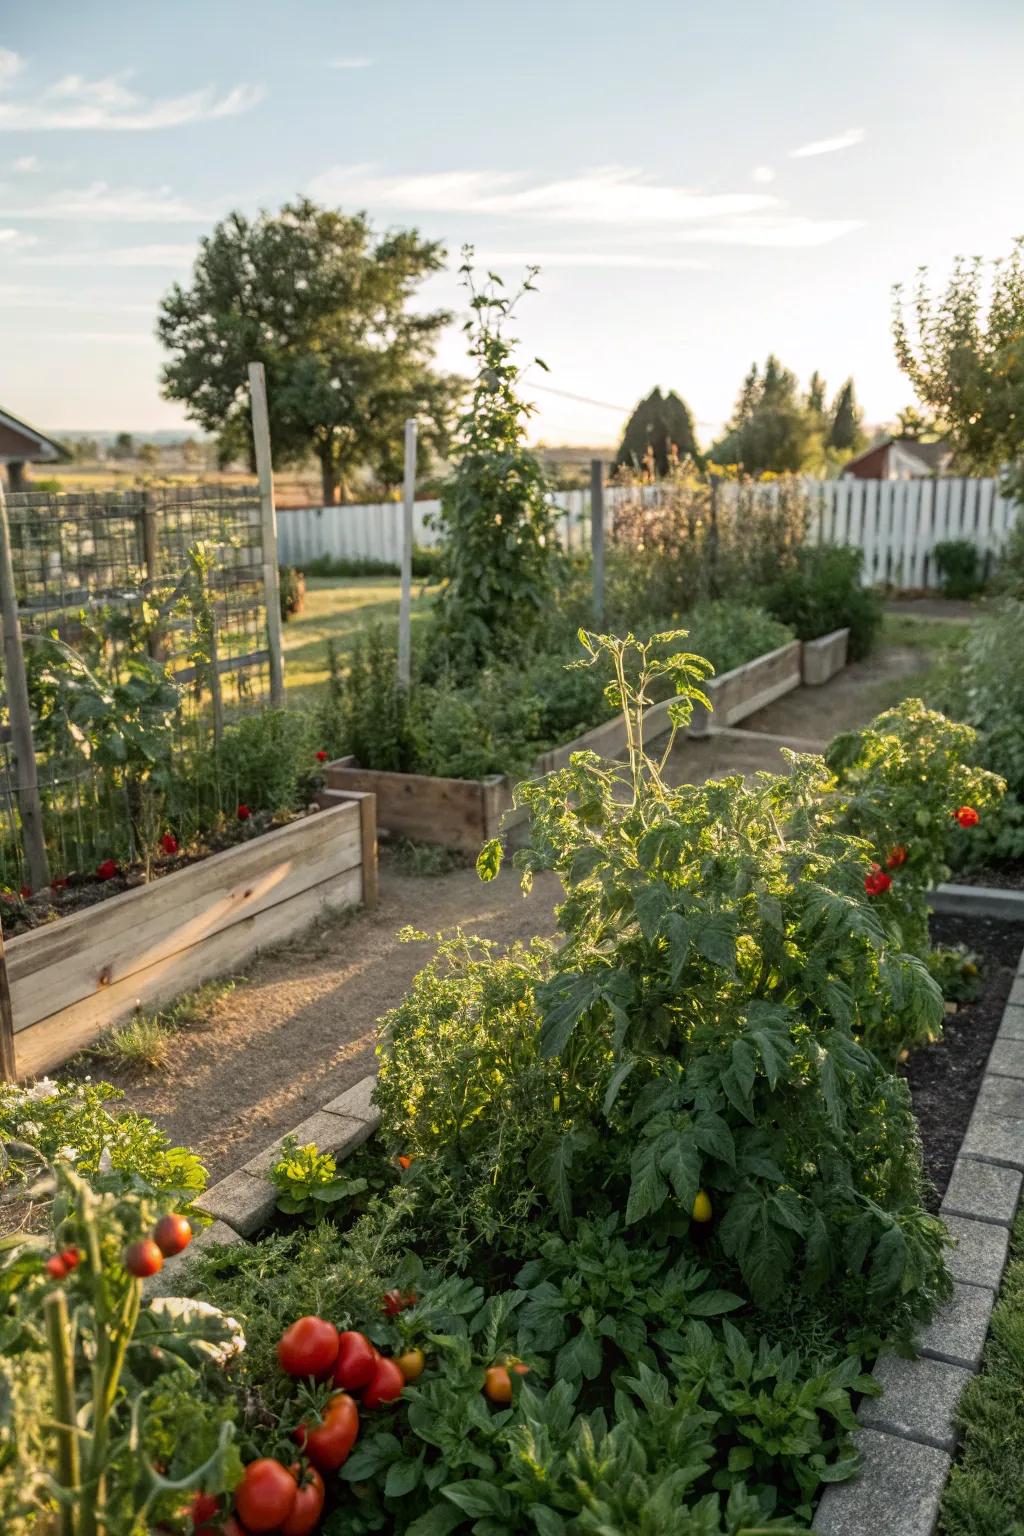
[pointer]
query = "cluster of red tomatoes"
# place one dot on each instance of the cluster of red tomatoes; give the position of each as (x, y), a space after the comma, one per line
(172, 1234)
(877, 881)
(288, 1499)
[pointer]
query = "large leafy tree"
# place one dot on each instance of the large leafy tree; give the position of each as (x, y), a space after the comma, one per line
(772, 429)
(659, 431)
(323, 303)
(963, 351)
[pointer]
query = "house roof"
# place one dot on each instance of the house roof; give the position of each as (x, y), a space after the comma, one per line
(931, 456)
(21, 442)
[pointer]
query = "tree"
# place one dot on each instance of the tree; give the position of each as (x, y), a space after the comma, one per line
(845, 432)
(123, 447)
(500, 553)
(660, 429)
(149, 454)
(323, 303)
(771, 429)
(191, 452)
(915, 426)
(963, 351)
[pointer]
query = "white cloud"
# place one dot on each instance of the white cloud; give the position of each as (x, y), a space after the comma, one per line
(357, 63)
(610, 195)
(126, 256)
(100, 201)
(607, 195)
(15, 239)
(26, 163)
(762, 174)
(845, 140)
(25, 296)
(109, 103)
(11, 64)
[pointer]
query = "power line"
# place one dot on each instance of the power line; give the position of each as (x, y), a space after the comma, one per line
(604, 405)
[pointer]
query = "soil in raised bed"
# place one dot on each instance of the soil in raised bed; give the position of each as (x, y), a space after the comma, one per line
(1008, 875)
(944, 1078)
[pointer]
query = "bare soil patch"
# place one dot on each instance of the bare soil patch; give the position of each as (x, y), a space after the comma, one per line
(303, 1027)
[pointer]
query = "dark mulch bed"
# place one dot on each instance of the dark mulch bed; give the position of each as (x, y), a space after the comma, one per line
(944, 1078)
(1007, 876)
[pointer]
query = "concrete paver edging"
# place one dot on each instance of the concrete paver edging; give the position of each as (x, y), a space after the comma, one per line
(909, 1433)
(245, 1200)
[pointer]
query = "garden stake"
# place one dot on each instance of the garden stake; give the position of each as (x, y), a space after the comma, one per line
(55, 1308)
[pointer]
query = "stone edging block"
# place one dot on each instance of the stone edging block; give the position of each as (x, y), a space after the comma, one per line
(910, 1431)
(897, 1492)
(978, 901)
(246, 1199)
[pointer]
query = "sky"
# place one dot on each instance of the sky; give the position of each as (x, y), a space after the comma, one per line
(699, 183)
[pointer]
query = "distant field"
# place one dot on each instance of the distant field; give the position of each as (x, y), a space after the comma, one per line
(293, 488)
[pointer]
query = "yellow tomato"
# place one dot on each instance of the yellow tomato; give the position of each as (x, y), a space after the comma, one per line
(702, 1207)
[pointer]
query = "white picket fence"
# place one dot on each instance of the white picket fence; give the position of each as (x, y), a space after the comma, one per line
(896, 523)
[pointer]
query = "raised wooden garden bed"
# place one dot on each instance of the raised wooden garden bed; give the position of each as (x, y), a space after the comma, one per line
(73, 979)
(463, 813)
(749, 688)
(824, 657)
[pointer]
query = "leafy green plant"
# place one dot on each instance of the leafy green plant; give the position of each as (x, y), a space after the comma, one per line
(307, 1181)
(956, 561)
(823, 591)
(958, 971)
(72, 1122)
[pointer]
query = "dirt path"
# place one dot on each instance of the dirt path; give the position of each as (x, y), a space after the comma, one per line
(302, 1027)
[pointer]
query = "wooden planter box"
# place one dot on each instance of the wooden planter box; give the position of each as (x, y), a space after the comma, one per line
(748, 688)
(457, 813)
(74, 978)
(824, 657)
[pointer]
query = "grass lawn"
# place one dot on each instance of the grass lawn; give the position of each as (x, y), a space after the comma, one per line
(985, 1496)
(930, 646)
(337, 608)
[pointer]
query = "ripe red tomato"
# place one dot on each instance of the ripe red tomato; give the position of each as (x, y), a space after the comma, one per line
(394, 1301)
(328, 1443)
(308, 1348)
(266, 1495)
(384, 1385)
(143, 1258)
(172, 1234)
(498, 1384)
(243, 813)
(107, 870)
(203, 1512)
(897, 857)
(404, 1161)
(321, 756)
(169, 843)
(309, 1501)
(55, 1267)
(355, 1360)
(967, 816)
(71, 1257)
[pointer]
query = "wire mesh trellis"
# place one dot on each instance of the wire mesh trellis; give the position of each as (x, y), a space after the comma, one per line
(116, 590)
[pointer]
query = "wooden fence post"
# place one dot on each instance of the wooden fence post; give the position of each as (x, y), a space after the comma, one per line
(29, 804)
(597, 536)
(271, 577)
(151, 560)
(8, 1070)
(405, 605)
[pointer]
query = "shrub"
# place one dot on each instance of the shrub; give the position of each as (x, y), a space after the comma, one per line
(823, 592)
(426, 564)
(729, 633)
(266, 760)
(956, 561)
